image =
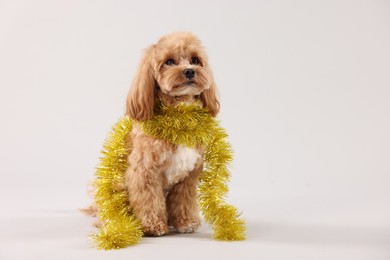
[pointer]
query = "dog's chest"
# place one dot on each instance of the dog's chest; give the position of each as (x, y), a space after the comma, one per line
(183, 161)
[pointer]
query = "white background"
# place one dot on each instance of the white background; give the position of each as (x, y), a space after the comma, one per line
(305, 90)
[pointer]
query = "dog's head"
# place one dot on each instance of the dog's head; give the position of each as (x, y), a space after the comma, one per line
(176, 66)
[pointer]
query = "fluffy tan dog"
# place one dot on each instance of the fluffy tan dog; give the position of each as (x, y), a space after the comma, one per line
(162, 178)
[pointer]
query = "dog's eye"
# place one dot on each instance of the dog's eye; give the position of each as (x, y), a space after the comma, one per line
(170, 62)
(194, 61)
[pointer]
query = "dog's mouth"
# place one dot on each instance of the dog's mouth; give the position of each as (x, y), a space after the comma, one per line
(186, 88)
(188, 83)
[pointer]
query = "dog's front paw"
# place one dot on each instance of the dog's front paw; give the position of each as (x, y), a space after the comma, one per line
(155, 229)
(187, 226)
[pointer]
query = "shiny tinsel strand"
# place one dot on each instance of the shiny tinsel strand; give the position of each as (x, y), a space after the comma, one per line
(119, 232)
(120, 227)
(224, 219)
(184, 124)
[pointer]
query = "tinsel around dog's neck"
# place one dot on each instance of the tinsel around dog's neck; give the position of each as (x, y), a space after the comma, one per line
(186, 124)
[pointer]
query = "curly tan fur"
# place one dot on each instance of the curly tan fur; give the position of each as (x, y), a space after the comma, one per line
(162, 177)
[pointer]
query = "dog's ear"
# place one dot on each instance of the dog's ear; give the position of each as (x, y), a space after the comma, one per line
(140, 100)
(210, 99)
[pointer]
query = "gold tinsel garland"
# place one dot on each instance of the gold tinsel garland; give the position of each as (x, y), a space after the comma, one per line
(184, 124)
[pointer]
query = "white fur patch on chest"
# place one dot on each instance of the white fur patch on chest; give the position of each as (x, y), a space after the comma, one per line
(182, 162)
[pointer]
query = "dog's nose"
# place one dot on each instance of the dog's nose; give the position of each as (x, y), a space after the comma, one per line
(189, 73)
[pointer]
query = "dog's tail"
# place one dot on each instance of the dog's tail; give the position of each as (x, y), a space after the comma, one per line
(92, 209)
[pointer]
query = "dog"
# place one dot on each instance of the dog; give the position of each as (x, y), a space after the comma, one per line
(162, 177)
